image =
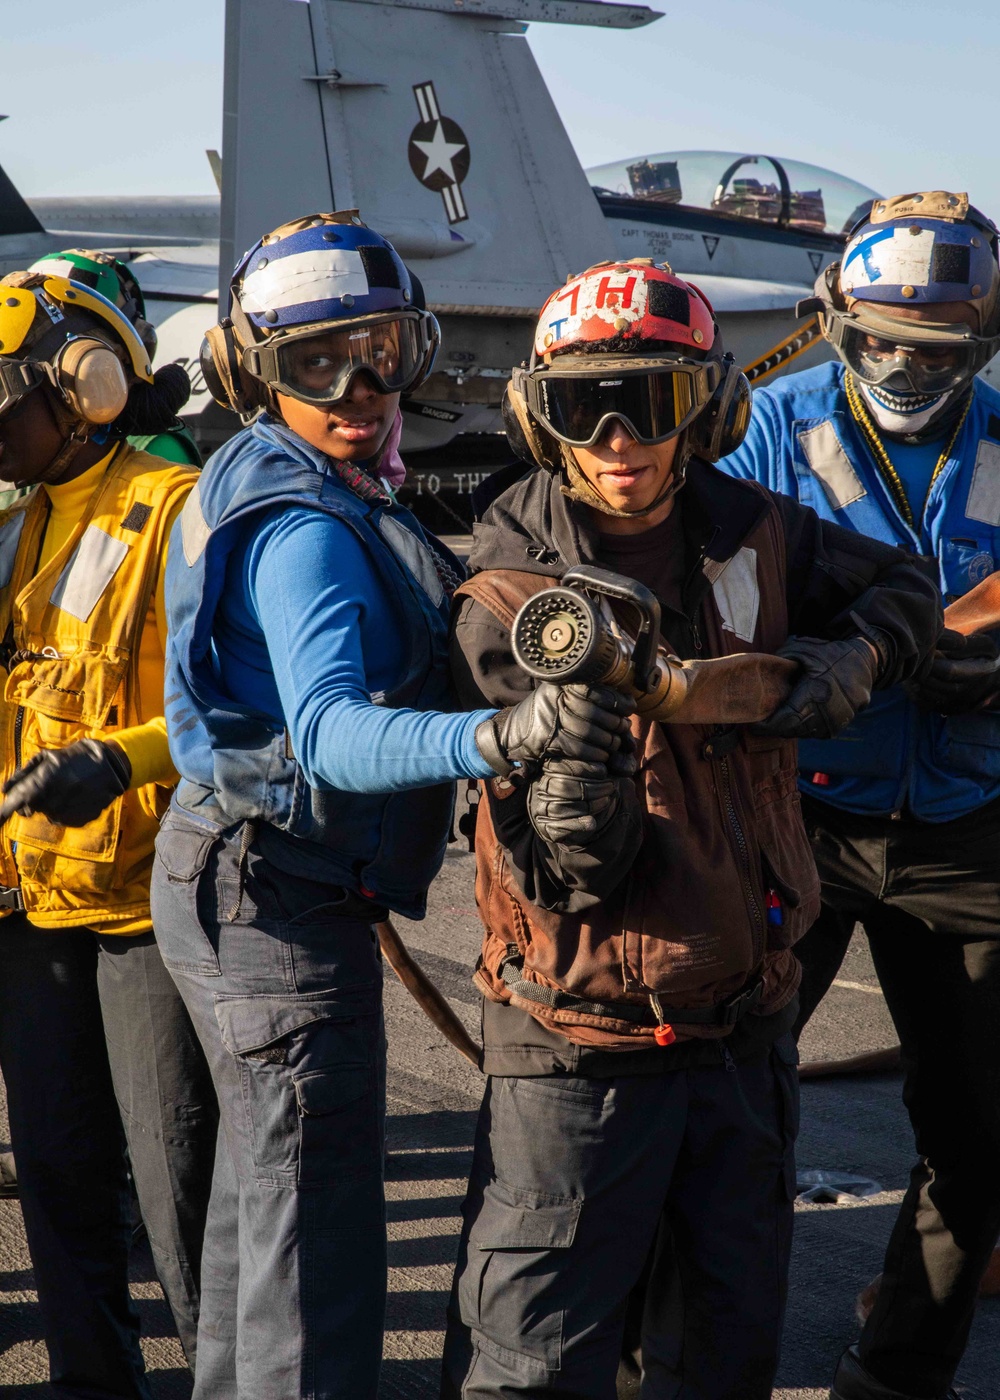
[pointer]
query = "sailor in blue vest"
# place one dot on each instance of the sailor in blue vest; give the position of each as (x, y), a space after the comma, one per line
(897, 439)
(307, 702)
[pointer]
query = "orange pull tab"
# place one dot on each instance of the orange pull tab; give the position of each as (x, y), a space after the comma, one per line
(663, 1033)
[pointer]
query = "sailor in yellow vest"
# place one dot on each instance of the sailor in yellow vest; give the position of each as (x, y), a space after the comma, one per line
(90, 1022)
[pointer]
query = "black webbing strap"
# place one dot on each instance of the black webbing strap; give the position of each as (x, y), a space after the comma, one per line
(725, 1013)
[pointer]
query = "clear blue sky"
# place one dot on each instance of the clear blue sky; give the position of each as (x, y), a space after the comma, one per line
(123, 96)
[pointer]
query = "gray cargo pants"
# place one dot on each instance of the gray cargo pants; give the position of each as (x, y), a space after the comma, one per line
(574, 1180)
(284, 988)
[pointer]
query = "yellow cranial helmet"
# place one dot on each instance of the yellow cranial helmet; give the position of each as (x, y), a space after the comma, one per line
(70, 335)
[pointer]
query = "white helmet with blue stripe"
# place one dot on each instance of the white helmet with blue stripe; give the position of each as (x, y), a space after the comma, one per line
(314, 303)
(918, 252)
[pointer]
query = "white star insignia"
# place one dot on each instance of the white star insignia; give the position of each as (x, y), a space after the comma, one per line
(440, 153)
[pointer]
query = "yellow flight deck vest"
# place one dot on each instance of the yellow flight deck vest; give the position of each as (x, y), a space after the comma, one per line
(70, 644)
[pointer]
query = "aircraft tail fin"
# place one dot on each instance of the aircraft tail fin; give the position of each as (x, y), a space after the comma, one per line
(15, 215)
(432, 119)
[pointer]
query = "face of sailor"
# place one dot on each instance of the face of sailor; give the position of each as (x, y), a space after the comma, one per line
(350, 430)
(629, 475)
(30, 439)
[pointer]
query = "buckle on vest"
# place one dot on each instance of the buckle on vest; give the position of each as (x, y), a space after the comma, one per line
(12, 898)
(740, 1005)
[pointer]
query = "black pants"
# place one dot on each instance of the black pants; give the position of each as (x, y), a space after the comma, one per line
(928, 897)
(573, 1182)
(93, 1034)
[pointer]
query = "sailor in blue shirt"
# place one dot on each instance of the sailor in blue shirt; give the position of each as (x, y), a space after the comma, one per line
(311, 720)
(897, 439)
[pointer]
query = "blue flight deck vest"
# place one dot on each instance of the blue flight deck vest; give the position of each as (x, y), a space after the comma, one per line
(235, 764)
(804, 442)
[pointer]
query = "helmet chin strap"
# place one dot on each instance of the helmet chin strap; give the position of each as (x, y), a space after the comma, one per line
(580, 489)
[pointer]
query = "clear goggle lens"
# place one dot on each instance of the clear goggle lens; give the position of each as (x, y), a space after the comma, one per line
(319, 368)
(653, 404)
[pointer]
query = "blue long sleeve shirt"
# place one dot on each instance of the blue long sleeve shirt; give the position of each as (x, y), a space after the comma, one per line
(305, 633)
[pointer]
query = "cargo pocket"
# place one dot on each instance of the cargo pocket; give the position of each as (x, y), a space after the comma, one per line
(182, 851)
(785, 1059)
(512, 1292)
(308, 1069)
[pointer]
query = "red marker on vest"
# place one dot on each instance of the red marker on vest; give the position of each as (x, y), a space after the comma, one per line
(663, 1033)
(821, 779)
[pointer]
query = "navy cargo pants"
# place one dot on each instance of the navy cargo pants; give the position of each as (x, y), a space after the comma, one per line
(93, 1036)
(574, 1181)
(283, 983)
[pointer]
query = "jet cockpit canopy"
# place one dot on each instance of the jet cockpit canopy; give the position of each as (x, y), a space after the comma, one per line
(765, 189)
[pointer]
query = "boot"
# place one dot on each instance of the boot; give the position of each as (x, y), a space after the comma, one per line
(852, 1382)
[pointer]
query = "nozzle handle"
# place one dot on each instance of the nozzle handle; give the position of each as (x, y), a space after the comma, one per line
(643, 600)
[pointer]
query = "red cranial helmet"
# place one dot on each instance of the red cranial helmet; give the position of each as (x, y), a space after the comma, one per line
(629, 303)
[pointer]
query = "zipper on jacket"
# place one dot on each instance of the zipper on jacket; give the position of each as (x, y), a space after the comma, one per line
(18, 726)
(729, 1064)
(743, 850)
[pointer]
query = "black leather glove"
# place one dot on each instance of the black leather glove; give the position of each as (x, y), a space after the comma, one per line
(572, 803)
(70, 786)
(836, 682)
(963, 673)
(587, 723)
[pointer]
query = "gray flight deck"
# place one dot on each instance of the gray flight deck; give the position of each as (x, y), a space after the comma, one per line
(855, 1125)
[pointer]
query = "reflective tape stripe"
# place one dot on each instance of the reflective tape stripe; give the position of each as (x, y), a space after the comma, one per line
(415, 555)
(313, 276)
(737, 594)
(10, 538)
(96, 560)
(830, 463)
(194, 529)
(983, 503)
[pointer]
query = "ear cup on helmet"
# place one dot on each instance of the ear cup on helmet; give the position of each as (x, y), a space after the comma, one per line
(91, 379)
(722, 425)
(225, 377)
(526, 436)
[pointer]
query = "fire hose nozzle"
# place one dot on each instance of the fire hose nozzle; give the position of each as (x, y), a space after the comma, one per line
(567, 635)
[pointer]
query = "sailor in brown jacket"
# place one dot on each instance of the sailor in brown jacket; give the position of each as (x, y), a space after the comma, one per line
(637, 970)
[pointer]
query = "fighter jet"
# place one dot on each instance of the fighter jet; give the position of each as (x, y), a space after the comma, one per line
(431, 117)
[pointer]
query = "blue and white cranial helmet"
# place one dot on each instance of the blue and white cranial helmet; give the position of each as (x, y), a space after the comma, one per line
(324, 299)
(325, 267)
(925, 248)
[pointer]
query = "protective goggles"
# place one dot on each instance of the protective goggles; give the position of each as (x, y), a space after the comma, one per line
(17, 379)
(654, 399)
(909, 357)
(317, 364)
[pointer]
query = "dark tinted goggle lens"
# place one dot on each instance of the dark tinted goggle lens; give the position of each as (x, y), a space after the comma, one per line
(17, 378)
(654, 406)
(319, 368)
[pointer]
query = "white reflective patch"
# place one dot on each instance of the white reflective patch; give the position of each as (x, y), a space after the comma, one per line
(95, 561)
(416, 555)
(194, 530)
(737, 595)
(58, 267)
(10, 538)
(830, 463)
(316, 275)
(888, 257)
(984, 493)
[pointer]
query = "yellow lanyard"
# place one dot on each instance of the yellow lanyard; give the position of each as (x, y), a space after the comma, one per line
(889, 474)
